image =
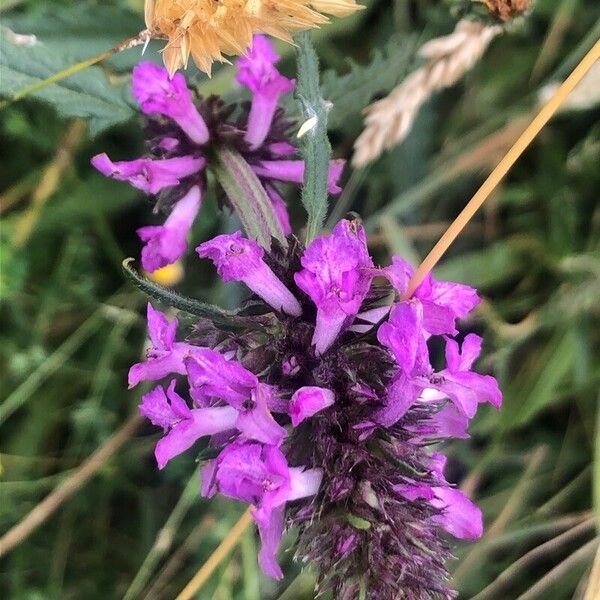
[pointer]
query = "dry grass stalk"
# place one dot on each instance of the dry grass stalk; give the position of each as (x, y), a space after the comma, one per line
(389, 120)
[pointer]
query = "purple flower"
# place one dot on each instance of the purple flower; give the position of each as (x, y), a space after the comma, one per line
(150, 176)
(401, 394)
(241, 259)
(166, 356)
(212, 376)
(157, 93)
(292, 171)
(308, 401)
(260, 475)
(166, 243)
(337, 275)
(465, 388)
(183, 426)
(257, 72)
(443, 301)
(459, 516)
(403, 334)
(280, 208)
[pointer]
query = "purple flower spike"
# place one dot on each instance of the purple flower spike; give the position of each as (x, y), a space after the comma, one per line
(292, 171)
(183, 426)
(166, 356)
(241, 259)
(157, 93)
(257, 72)
(465, 388)
(308, 401)
(337, 274)
(260, 475)
(166, 243)
(443, 301)
(150, 176)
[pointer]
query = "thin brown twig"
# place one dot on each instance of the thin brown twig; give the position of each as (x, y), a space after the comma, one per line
(51, 503)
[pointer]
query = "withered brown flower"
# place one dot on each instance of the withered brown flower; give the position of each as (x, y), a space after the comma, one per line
(210, 30)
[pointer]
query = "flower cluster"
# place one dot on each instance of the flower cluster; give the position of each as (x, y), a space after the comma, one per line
(324, 411)
(209, 29)
(185, 139)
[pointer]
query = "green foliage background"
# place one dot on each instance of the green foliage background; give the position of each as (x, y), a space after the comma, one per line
(71, 324)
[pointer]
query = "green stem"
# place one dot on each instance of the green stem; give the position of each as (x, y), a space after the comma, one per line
(315, 146)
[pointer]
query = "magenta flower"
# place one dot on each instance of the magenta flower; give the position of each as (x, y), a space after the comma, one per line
(150, 176)
(213, 377)
(257, 72)
(157, 93)
(459, 516)
(166, 356)
(260, 475)
(241, 259)
(443, 301)
(336, 276)
(292, 171)
(183, 426)
(308, 401)
(166, 243)
(465, 388)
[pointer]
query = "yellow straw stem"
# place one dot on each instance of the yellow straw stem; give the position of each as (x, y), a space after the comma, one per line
(503, 167)
(216, 558)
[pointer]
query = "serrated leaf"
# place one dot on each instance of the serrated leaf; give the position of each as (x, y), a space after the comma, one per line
(88, 94)
(350, 93)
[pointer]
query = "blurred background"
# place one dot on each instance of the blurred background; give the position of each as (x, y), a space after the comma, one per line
(72, 325)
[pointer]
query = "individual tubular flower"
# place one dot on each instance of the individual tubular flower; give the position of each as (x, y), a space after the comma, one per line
(189, 137)
(336, 276)
(157, 93)
(166, 243)
(443, 302)
(166, 356)
(183, 426)
(257, 72)
(209, 29)
(240, 259)
(308, 401)
(150, 176)
(459, 516)
(260, 475)
(337, 411)
(212, 376)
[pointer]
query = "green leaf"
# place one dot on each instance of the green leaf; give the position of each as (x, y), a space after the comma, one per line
(247, 196)
(315, 147)
(87, 94)
(189, 305)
